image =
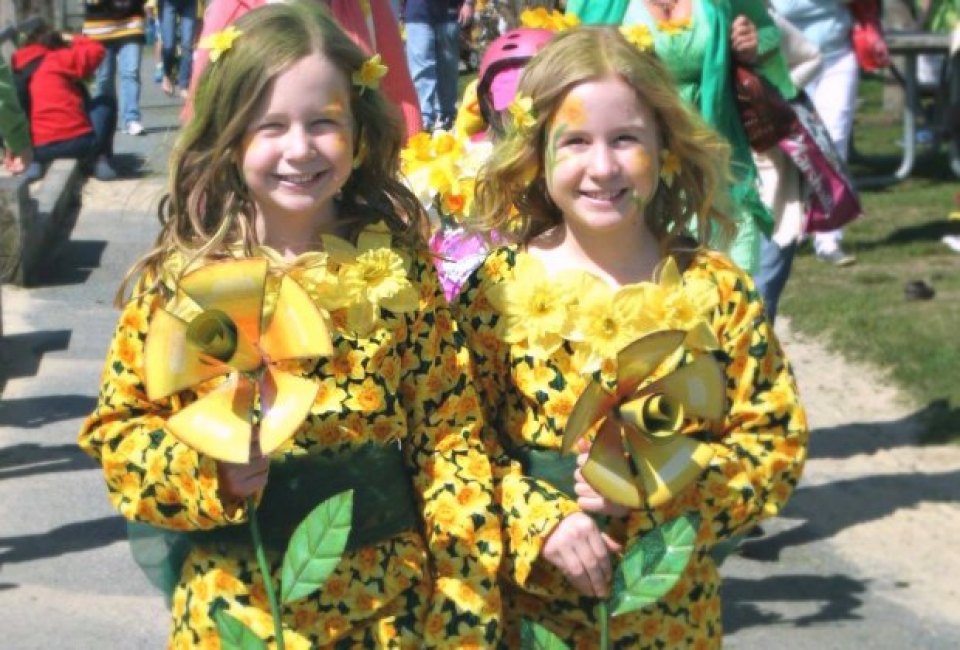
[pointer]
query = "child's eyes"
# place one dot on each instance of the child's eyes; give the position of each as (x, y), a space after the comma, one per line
(324, 122)
(270, 126)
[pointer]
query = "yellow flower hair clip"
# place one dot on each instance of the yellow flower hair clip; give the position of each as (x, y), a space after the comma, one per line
(370, 73)
(639, 36)
(521, 113)
(219, 42)
(669, 166)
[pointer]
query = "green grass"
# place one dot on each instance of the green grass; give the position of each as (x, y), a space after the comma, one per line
(861, 311)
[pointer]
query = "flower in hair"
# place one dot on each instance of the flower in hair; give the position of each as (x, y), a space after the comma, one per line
(370, 73)
(669, 166)
(521, 113)
(639, 36)
(219, 42)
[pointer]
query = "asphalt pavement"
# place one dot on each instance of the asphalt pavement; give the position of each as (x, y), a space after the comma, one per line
(66, 576)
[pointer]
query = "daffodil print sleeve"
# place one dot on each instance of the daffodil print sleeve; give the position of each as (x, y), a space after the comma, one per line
(452, 474)
(760, 446)
(542, 342)
(531, 507)
(150, 475)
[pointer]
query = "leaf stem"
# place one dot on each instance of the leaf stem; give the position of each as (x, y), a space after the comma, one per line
(604, 619)
(265, 570)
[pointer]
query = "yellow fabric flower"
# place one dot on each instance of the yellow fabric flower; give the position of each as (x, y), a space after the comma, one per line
(669, 166)
(535, 308)
(555, 21)
(371, 276)
(521, 113)
(608, 319)
(370, 73)
(639, 36)
(219, 42)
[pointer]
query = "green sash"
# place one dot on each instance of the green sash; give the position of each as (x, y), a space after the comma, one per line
(550, 466)
(383, 506)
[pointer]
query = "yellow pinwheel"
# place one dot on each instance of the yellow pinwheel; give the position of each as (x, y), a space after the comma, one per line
(639, 454)
(218, 328)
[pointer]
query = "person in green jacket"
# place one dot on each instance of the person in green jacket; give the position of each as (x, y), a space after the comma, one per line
(698, 40)
(14, 127)
(598, 12)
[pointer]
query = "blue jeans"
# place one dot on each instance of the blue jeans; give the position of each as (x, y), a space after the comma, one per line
(433, 56)
(126, 56)
(102, 112)
(186, 11)
(771, 277)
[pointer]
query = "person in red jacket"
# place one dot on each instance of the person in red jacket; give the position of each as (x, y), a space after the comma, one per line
(64, 121)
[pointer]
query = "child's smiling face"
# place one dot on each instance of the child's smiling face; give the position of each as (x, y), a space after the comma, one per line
(298, 149)
(601, 161)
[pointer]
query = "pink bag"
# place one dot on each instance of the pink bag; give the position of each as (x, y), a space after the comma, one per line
(832, 199)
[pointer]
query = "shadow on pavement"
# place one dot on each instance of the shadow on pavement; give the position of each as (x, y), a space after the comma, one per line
(130, 165)
(22, 353)
(70, 538)
(28, 459)
(836, 598)
(833, 507)
(74, 262)
(870, 437)
(34, 412)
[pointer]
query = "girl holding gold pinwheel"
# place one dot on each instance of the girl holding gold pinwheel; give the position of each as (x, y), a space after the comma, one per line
(610, 329)
(288, 341)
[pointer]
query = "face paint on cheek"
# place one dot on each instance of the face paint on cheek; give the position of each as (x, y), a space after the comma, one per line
(245, 143)
(642, 162)
(553, 144)
(639, 201)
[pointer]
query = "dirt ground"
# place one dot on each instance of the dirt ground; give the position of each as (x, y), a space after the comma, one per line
(891, 504)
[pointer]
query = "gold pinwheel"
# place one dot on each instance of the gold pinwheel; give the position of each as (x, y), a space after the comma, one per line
(639, 454)
(219, 329)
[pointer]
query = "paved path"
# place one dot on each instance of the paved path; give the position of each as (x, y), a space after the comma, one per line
(66, 578)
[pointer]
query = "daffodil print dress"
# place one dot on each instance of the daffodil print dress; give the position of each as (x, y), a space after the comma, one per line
(395, 387)
(538, 341)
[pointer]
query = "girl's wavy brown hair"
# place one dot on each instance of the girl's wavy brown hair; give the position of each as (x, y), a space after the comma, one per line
(208, 207)
(511, 191)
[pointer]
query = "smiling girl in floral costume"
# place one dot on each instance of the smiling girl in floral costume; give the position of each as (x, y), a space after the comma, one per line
(291, 157)
(618, 189)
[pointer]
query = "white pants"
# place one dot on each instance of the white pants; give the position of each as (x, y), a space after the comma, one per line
(834, 95)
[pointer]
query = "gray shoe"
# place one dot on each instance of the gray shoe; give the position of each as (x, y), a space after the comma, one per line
(837, 257)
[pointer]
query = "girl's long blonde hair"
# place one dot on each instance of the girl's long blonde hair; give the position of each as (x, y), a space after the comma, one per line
(511, 191)
(208, 207)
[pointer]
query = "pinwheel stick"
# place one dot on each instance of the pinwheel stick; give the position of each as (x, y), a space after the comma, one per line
(265, 570)
(603, 615)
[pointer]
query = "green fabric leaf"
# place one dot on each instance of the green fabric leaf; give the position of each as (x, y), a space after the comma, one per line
(316, 547)
(234, 635)
(653, 565)
(536, 637)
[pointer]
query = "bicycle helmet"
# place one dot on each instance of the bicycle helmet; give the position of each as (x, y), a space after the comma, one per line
(501, 66)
